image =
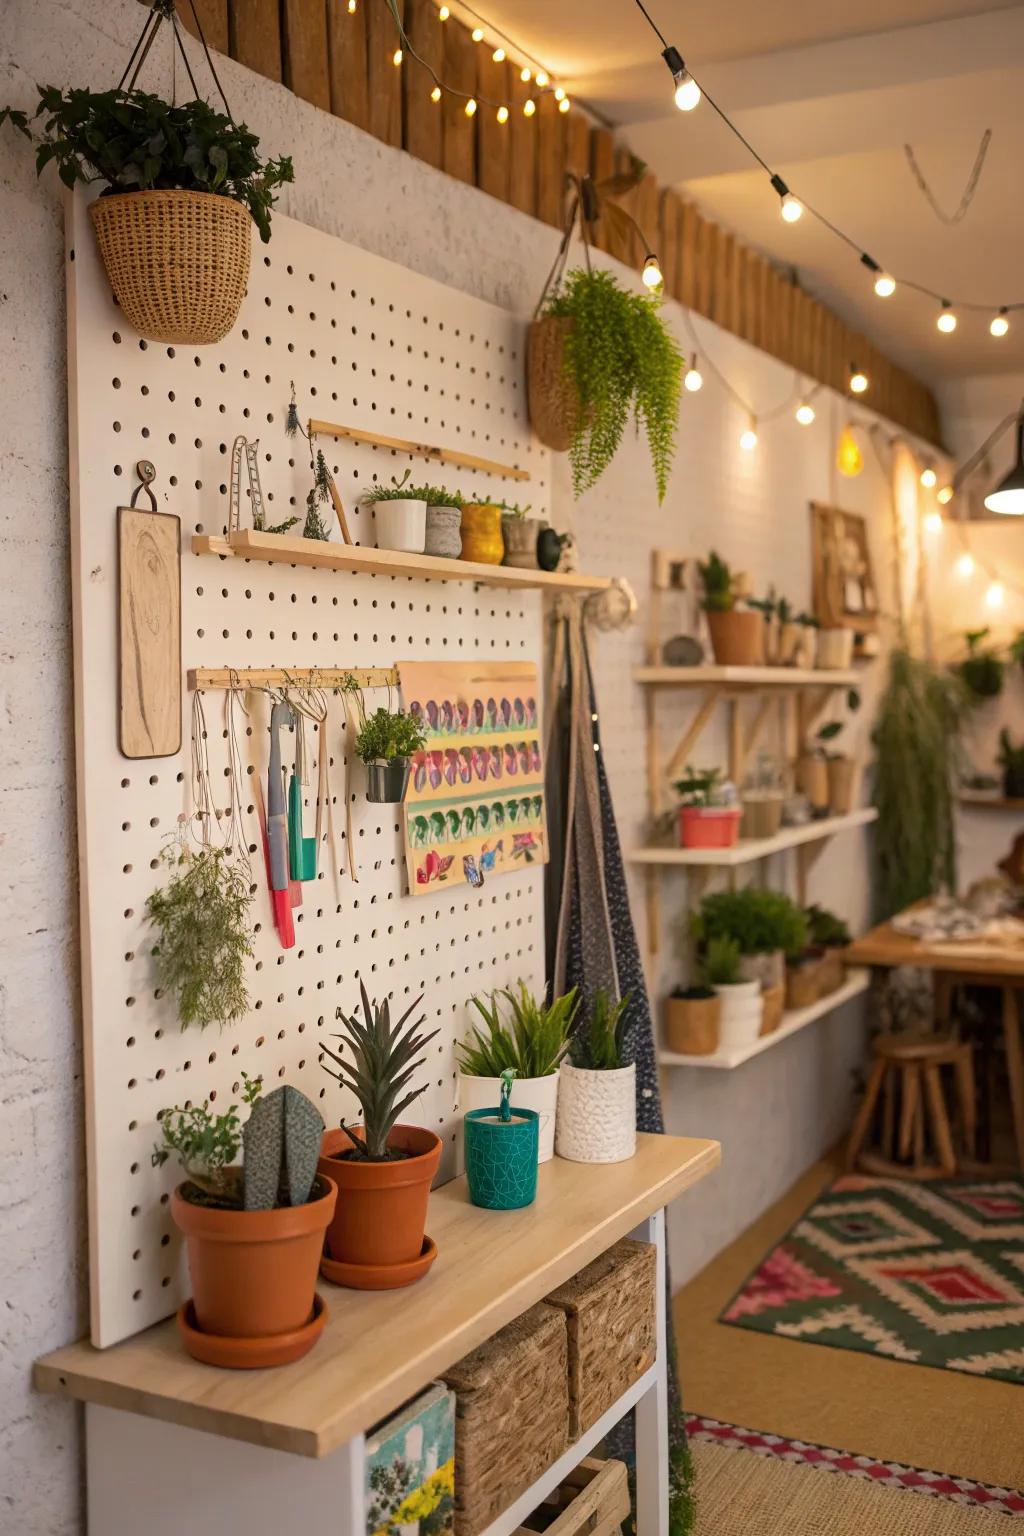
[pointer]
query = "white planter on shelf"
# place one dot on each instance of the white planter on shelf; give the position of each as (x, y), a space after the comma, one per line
(835, 649)
(742, 1009)
(401, 524)
(596, 1120)
(539, 1093)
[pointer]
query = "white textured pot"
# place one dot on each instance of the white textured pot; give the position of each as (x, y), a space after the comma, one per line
(835, 649)
(539, 1093)
(742, 1009)
(596, 1120)
(401, 524)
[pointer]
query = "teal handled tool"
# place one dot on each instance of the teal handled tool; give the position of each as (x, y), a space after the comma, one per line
(302, 849)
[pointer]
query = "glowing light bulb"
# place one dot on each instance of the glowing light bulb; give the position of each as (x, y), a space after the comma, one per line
(526, 74)
(559, 93)
(351, 7)
(435, 94)
(965, 566)
(805, 413)
(849, 458)
(396, 57)
(478, 34)
(687, 94)
(994, 595)
(470, 107)
(933, 522)
(502, 114)
(443, 13)
(1000, 325)
(748, 439)
(651, 274)
(498, 55)
(693, 379)
(542, 78)
(564, 104)
(947, 320)
(858, 382)
(928, 477)
(529, 107)
(885, 286)
(945, 496)
(791, 209)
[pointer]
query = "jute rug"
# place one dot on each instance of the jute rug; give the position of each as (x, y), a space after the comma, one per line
(739, 1495)
(930, 1274)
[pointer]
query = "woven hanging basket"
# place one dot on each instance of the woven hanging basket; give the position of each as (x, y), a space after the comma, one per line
(177, 262)
(551, 395)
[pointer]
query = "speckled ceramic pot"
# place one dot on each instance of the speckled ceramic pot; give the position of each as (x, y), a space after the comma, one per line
(596, 1120)
(443, 536)
(521, 535)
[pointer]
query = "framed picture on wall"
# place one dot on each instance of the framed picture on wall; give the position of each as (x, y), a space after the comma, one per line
(843, 590)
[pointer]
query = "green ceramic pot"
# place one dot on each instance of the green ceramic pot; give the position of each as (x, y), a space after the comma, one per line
(501, 1158)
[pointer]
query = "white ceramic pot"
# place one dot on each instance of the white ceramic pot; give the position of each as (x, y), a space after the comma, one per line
(596, 1119)
(742, 1008)
(539, 1093)
(835, 649)
(401, 525)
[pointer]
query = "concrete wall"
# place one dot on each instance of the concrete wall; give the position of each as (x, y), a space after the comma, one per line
(774, 1116)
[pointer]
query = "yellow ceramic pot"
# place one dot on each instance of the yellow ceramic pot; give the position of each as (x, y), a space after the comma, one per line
(482, 539)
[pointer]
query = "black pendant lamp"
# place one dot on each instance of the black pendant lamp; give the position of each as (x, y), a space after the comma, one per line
(1008, 496)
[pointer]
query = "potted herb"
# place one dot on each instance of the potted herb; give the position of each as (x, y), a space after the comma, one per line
(399, 515)
(741, 1004)
(840, 770)
(598, 355)
(203, 923)
(182, 187)
(444, 517)
(982, 669)
(383, 1169)
(385, 742)
(532, 1043)
(765, 924)
(768, 608)
(830, 935)
(791, 633)
(805, 972)
(709, 816)
(596, 1118)
(482, 538)
(502, 1152)
(521, 533)
(763, 799)
(737, 634)
(692, 1017)
(253, 1233)
(807, 649)
(1011, 761)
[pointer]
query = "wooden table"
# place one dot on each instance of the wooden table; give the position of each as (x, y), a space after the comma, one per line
(961, 964)
(174, 1446)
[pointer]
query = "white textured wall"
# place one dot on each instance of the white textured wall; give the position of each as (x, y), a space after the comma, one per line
(773, 1116)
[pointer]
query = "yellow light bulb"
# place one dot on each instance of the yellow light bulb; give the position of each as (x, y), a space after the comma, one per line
(928, 478)
(849, 458)
(564, 104)
(965, 565)
(945, 496)
(792, 208)
(651, 275)
(933, 522)
(525, 74)
(885, 285)
(396, 57)
(694, 379)
(858, 382)
(435, 94)
(498, 55)
(351, 7)
(559, 93)
(478, 34)
(687, 93)
(994, 595)
(542, 78)
(946, 321)
(529, 107)
(470, 106)
(443, 13)
(1000, 325)
(748, 439)
(502, 114)
(805, 413)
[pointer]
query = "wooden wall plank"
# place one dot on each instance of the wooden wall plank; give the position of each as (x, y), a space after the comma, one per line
(707, 256)
(254, 33)
(304, 52)
(577, 144)
(550, 161)
(602, 164)
(620, 242)
(688, 241)
(669, 231)
(421, 117)
(646, 200)
(384, 80)
(492, 137)
(459, 143)
(522, 180)
(213, 18)
(346, 60)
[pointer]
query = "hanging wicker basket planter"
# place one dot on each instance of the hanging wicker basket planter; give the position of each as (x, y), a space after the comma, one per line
(177, 262)
(551, 395)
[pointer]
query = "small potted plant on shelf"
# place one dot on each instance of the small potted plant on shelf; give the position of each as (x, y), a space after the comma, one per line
(763, 799)
(709, 816)
(834, 649)
(737, 634)
(766, 925)
(829, 934)
(768, 608)
(182, 187)
(692, 1017)
(741, 1003)
(483, 540)
(521, 533)
(790, 634)
(383, 1168)
(840, 770)
(399, 515)
(596, 1118)
(444, 518)
(502, 1152)
(253, 1233)
(385, 742)
(982, 669)
(1011, 761)
(533, 1044)
(806, 654)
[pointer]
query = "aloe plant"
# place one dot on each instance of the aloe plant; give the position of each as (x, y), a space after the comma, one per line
(601, 1044)
(382, 1066)
(533, 1044)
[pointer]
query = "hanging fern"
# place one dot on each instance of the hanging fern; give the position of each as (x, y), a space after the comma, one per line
(621, 357)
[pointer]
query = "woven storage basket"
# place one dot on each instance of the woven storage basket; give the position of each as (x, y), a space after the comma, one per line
(553, 403)
(592, 1500)
(177, 262)
(610, 1311)
(511, 1415)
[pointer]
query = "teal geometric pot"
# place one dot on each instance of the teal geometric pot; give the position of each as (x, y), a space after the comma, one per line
(501, 1158)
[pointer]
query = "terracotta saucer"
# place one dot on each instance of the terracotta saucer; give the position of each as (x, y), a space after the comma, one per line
(250, 1354)
(379, 1277)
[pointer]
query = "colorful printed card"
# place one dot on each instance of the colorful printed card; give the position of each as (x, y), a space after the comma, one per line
(475, 803)
(410, 1468)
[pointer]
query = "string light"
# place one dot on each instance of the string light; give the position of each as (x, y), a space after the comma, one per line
(965, 565)
(435, 94)
(396, 57)
(442, 14)
(885, 286)
(351, 7)
(804, 413)
(564, 104)
(529, 107)
(748, 439)
(946, 321)
(651, 274)
(687, 92)
(542, 78)
(928, 477)
(559, 93)
(790, 207)
(858, 380)
(693, 379)
(498, 55)
(945, 496)
(526, 74)
(478, 34)
(502, 114)
(470, 108)
(933, 522)
(1000, 325)
(994, 595)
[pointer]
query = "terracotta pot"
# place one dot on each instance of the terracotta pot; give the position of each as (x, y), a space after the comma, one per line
(774, 1000)
(812, 780)
(692, 1024)
(709, 826)
(482, 539)
(842, 776)
(737, 637)
(521, 535)
(381, 1212)
(254, 1272)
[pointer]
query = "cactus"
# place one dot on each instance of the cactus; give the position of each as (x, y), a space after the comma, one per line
(281, 1141)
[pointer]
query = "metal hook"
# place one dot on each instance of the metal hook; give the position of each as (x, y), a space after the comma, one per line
(146, 471)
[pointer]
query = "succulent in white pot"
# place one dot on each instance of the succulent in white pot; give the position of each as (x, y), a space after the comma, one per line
(742, 1004)
(399, 515)
(596, 1120)
(532, 1042)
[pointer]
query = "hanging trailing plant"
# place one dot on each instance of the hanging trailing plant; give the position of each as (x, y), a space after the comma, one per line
(204, 934)
(320, 492)
(620, 358)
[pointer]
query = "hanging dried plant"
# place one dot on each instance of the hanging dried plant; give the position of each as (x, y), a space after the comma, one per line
(204, 934)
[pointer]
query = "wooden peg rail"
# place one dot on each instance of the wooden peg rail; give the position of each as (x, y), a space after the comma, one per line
(294, 677)
(422, 450)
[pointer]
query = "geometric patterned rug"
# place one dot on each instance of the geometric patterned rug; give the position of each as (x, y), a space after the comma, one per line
(928, 1273)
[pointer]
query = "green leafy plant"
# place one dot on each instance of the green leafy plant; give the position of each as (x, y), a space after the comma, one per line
(698, 786)
(833, 728)
(599, 1045)
(319, 494)
(532, 1044)
(207, 1145)
(917, 755)
(784, 609)
(982, 669)
(718, 582)
(508, 508)
(386, 733)
(435, 496)
(769, 605)
(1011, 761)
(621, 359)
(720, 962)
(825, 928)
(760, 921)
(383, 1065)
(135, 142)
(808, 621)
(204, 934)
(398, 490)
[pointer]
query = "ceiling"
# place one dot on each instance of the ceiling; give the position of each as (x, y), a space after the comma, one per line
(829, 98)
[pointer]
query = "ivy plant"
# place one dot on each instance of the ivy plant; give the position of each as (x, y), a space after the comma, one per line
(204, 934)
(621, 359)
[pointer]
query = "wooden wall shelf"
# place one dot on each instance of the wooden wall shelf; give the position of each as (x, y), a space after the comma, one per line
(750, 849)
(979, 802)
(282, 547)
(711, 676)
(857, 981)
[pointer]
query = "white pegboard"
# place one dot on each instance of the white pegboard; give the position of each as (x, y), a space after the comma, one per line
(368, 344)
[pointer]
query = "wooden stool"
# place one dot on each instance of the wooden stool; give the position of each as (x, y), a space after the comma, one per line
(906, 1075)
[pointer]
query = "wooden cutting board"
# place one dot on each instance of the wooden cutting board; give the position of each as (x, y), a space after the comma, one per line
(149, 567)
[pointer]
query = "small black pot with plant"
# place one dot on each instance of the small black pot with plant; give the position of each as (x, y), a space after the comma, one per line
(385, 741)
(983, 668)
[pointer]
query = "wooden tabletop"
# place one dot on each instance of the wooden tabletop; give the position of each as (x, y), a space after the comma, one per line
(381, 1347)
(885, 947)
